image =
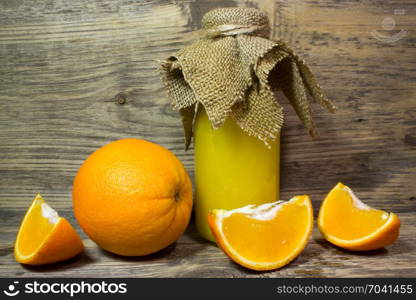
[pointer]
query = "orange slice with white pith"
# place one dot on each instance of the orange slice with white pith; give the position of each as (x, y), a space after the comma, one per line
(345, 221)
(264, 237)
(44, 237)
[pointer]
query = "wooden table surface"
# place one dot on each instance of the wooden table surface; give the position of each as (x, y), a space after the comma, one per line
(75, 75)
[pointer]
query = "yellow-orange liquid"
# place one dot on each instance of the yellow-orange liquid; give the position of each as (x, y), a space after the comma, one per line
(232, 169)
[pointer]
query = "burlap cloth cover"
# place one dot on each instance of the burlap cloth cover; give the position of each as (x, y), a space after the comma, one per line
(235, 70)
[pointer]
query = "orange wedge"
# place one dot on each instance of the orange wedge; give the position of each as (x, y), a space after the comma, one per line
(264, 237)
(347, 222)
(44, 237)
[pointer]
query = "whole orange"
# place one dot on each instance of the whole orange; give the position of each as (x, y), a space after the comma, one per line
(132, 197)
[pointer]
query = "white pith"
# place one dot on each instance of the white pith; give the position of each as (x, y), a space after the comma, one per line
(355, 200)
(361, 205)
(264, 212)
(49, 213)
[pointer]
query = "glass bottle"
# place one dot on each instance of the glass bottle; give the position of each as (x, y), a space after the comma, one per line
(232, 169)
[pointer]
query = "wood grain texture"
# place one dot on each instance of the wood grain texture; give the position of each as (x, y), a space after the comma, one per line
(191, 256)
(77, 75)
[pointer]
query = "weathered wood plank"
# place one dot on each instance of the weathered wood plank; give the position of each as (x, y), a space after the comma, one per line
(64, 66)
(193, 257)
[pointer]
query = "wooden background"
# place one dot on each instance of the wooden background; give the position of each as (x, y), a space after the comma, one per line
(75, 75)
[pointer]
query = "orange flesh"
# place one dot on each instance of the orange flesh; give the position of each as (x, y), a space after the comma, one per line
(267, 240)
(39, 228)
(344, 220)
